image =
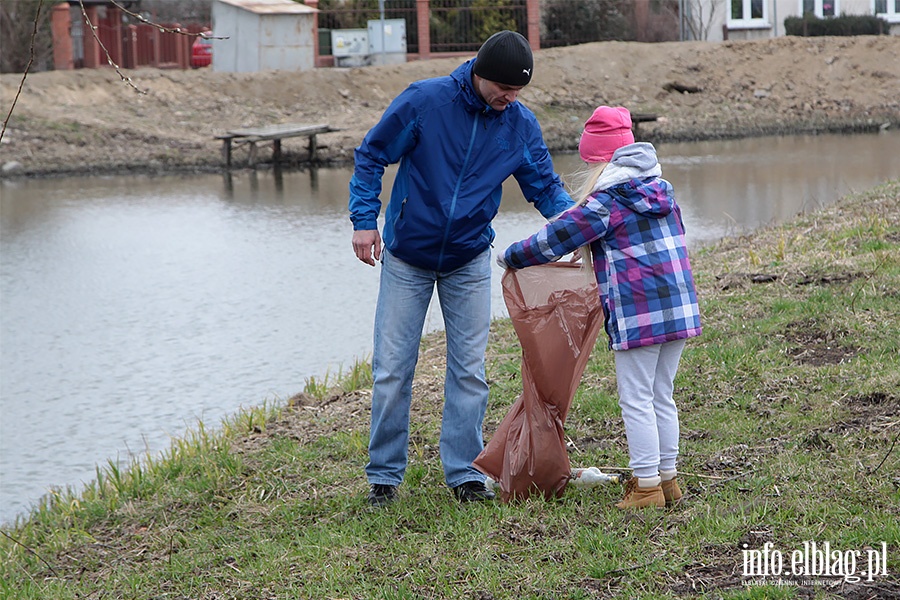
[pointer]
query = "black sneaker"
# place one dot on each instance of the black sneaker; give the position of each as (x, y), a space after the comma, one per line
(381, 495)
(473, 491)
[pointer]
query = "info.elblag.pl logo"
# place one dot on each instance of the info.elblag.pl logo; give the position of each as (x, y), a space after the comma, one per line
(816, 560)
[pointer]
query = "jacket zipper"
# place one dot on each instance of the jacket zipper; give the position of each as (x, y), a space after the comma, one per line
(459, 181)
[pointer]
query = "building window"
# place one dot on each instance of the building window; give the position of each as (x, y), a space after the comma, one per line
(748, 13)
(821, 8)
(889, 10)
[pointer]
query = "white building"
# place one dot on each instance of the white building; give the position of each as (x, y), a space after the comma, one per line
(262, 35)
(716, 20)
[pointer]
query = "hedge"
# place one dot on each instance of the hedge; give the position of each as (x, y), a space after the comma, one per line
(809, 25)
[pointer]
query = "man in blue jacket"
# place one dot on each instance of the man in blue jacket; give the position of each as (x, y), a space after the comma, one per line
(457, 138)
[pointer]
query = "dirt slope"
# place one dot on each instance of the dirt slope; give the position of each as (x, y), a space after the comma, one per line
(90, 121)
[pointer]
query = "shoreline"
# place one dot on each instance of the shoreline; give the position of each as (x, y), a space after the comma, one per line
(334, 157)
(88, 122)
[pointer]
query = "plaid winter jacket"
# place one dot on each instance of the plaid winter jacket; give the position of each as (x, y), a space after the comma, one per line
(641, 261)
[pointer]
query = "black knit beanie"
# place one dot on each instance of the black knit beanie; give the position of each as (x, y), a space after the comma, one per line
(505, 58)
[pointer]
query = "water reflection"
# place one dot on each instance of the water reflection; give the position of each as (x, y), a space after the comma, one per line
(729, 187)
(133, 306)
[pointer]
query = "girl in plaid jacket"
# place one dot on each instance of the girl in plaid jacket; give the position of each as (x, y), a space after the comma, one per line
(630, 229)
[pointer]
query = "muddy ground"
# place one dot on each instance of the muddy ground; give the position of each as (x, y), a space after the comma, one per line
(90, 121)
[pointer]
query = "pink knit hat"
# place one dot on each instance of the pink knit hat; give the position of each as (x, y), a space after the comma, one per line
(606, 131)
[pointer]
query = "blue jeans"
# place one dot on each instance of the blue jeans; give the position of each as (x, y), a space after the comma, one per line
(404, 295)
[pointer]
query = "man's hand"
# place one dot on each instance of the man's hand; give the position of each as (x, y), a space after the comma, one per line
(367, 245)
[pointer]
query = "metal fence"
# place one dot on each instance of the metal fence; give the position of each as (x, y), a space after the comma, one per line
(460, 26)
(454, 27)
(335, 15)
(463, 26)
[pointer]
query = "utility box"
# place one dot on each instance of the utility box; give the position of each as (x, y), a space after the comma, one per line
(350, 47)
(387, 41)
(262, 35)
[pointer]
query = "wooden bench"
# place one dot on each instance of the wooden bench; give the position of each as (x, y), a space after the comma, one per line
(638, 118)
(252, 135)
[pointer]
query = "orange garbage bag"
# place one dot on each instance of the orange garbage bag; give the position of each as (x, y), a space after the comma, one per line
(556, 312)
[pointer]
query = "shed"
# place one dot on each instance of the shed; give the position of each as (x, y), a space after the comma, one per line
(262, 35)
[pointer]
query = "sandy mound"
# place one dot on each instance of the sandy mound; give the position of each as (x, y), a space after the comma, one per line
(90, 121)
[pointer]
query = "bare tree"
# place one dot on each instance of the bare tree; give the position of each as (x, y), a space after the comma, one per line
(30, 42)
(699, 17)
(31, 46)
(25, 35)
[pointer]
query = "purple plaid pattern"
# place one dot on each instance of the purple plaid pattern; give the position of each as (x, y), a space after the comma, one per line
(640, 260)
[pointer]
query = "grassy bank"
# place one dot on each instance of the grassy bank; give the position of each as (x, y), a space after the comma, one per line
(790, 415)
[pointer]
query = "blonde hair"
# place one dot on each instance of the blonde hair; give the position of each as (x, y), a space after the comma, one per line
(583, 182)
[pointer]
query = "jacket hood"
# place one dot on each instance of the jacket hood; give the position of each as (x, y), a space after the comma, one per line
(633, 177)
(641, 156)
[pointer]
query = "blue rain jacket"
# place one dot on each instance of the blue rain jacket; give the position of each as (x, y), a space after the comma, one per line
(455, 152)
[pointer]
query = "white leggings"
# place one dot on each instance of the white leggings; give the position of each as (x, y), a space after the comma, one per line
(645, 378)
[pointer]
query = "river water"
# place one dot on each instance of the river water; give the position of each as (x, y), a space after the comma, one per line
(135, 306)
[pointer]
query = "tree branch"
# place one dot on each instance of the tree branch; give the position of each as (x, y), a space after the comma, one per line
(109, 59)
(162, 28)
(37, 19)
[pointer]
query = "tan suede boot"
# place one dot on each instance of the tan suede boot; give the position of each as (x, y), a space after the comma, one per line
(671, 492)
(639, 497)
